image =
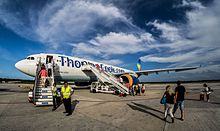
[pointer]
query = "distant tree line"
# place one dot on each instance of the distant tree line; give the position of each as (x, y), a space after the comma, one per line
(171, 82)
(7, 80)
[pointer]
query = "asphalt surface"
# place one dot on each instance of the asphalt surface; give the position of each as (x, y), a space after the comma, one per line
(109, 112)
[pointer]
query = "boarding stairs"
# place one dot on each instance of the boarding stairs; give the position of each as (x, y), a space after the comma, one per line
(106, 78)
(42, 95)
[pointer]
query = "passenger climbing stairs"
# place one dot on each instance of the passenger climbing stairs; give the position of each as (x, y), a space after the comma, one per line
(42, 94)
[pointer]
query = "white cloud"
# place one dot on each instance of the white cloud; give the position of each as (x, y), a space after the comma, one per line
(188, 3)
(62, 22)
(169, 32)
(76, 20)
(112, 62)
(114, 44)
(199, 45)
(170, 59)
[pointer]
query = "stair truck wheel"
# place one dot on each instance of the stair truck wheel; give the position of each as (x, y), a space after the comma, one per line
(94, 91)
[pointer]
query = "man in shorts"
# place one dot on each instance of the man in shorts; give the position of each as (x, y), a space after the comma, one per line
(180, 92)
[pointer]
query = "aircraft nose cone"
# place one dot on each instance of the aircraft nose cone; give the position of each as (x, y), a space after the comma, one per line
(18, 65)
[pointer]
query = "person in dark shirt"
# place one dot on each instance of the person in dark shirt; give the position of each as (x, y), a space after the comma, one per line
(180, 97)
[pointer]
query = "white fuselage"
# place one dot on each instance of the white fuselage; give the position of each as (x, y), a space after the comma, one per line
(66, 67)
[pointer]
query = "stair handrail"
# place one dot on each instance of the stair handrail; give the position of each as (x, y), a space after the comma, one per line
(115, 80)
(36, 79)
(52, 72)
(110, 78)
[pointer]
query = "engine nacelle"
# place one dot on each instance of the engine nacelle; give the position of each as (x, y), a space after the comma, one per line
(132, 80)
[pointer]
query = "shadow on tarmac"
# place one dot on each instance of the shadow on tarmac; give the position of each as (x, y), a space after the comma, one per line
(192, 99)
(215, 103)
(146, 109)
(16, 91)
(73, 105)
(203, 101)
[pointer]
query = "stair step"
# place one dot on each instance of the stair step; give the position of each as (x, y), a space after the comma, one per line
(44, 89)
(40, 86)
(43, 94)
(44, 97)
(30, 94)
(45, 103)
(43, 100)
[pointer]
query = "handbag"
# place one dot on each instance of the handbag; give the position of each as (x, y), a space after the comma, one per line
(163, 100)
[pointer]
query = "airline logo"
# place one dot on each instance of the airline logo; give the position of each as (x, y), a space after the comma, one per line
(139, 65)
(66, 61)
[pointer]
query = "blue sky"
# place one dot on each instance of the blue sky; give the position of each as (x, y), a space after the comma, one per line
(162, 33)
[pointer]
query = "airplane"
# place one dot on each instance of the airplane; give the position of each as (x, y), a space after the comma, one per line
(68, 68)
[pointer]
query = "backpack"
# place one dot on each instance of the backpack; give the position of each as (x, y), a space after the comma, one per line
(163, 100)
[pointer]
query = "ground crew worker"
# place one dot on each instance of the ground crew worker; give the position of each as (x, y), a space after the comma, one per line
(66, 93)
(54, 94)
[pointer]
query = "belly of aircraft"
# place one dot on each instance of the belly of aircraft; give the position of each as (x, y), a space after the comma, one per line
(75, 75)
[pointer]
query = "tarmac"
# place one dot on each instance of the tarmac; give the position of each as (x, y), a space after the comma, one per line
(110, 112)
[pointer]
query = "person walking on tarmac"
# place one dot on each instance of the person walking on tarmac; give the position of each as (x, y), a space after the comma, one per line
(207, 90)
(54, 94)
(180, 92)
(170, 101)
(66, 92)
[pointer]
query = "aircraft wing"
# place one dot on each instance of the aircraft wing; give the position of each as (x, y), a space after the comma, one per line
(147, 72)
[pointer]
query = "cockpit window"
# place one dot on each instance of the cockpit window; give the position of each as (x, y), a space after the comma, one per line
(30, 58)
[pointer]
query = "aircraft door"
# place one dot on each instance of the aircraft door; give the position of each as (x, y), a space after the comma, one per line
(49, 63)
(49, 59)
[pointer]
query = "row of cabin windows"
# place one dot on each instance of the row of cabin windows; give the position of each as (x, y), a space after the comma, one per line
(32, 58)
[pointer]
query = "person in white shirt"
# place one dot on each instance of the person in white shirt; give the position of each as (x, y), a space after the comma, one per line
(207, 91)
(49, 67)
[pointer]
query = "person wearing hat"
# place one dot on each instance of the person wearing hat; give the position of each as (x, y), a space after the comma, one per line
(66, 92)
